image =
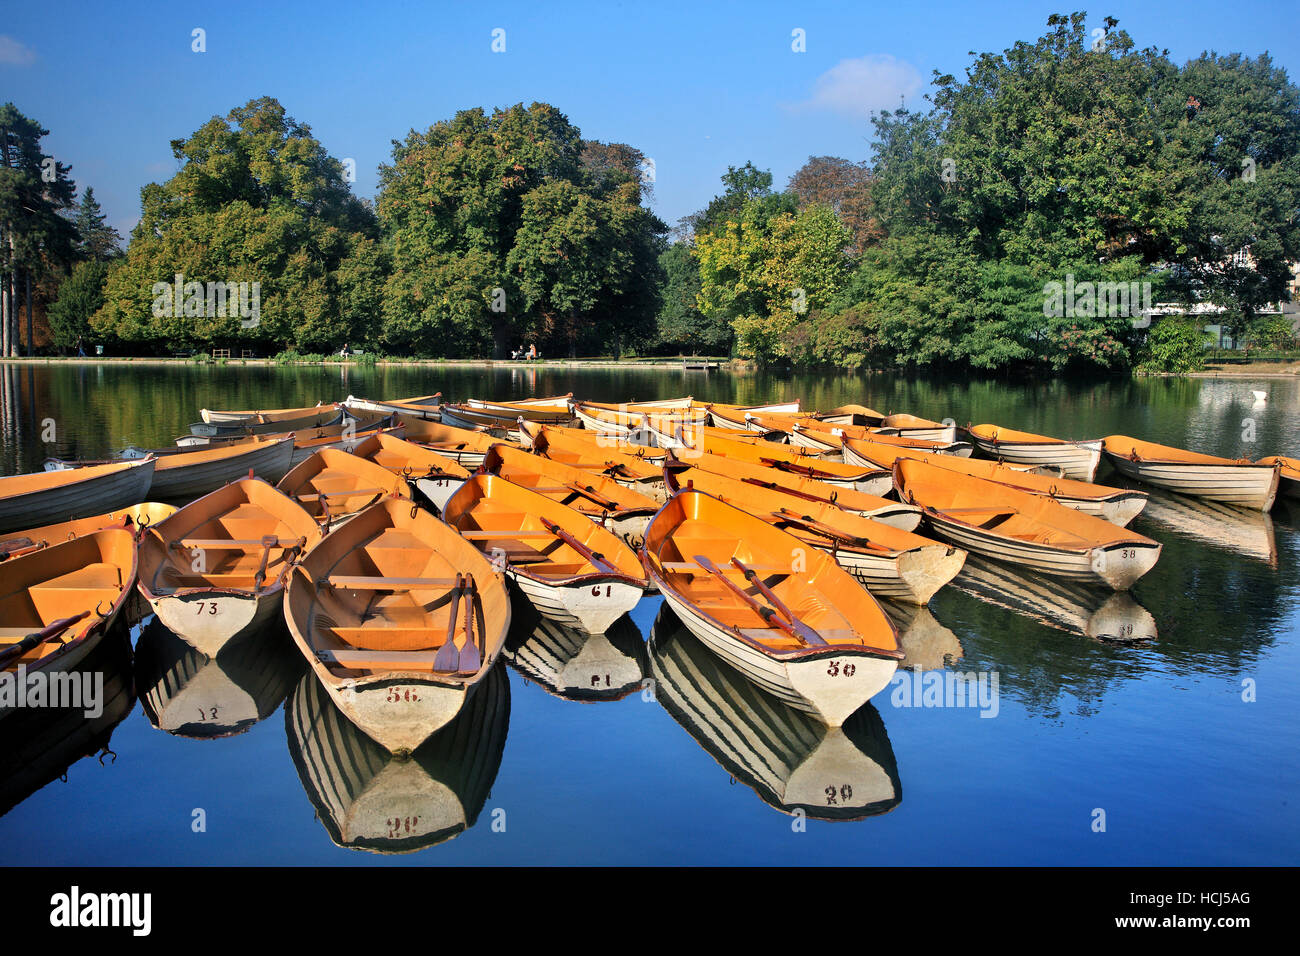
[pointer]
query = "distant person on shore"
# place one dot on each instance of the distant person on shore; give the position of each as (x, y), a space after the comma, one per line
(81, 349)
(532, 353)
(344, 353)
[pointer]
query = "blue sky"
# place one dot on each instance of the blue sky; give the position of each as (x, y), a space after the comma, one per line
(696, 86)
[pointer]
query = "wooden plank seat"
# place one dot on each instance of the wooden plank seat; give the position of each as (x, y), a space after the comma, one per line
(690, 567)
(342, 493)
(478, 535)
(379, 660)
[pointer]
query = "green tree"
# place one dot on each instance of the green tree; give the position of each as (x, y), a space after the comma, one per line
(96, 240)
(257, 200)
(681, 324)
(1174, 345)
(81, 295)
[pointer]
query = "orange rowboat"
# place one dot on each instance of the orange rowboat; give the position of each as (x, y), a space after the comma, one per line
(334, 485)
(1119, 506)
(632, 425)
(603, 500)
(465, 446)
(789, 619)
(888, 561)
(573, 570)
(400, 619)
(905, 517)
(910, 426)
(1029, 530)
(826, 439)
(1075, 459)
(215, 570)
(132, 518)
(56, 604)
(434, 476)
(1242, 482)
(869, 479)
(47, 497)
(639, 468)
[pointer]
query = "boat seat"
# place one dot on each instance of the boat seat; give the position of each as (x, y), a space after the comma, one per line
(379, 660)
(364, 583)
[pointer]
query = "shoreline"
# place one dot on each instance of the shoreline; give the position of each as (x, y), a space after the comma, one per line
(1281, 370)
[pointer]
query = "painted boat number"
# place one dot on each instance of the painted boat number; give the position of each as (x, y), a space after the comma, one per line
(595, 680)
(844, 792)
(596, 590)
(398, 695)
(1128, 553)
(212, 606)
(848, 670)
(396, 825)
(204, 714)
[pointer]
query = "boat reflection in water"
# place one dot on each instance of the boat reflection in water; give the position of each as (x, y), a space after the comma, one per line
(573, 664)
(790, 760)
(926, 644)
(1243, 532)
(369, 799)
(1068, 606)
(40, 744)
(188, 694)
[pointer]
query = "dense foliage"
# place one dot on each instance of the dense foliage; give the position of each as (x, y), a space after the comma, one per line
(1028, 219)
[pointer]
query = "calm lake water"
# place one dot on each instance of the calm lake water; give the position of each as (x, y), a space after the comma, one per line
(639, 748)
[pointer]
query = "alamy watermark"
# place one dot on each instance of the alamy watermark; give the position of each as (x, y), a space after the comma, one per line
(213, 300)
(70, 689)
(946, 689)
(1098, 300)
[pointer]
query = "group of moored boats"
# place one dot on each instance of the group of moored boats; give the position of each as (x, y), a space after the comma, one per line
(387, 535)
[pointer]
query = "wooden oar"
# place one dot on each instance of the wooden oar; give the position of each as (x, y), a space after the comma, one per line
(770, 615)
(470, 658)
(17, 650)
(825, 530)
(809, 635)
(595, 557)
(447, 660)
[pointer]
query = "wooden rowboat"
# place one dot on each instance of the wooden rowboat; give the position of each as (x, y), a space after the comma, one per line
(828, 439)
(1075, 459)
(910, 426)
(216, 568)
(1119, 506)
(290, 421)
(641, 470)
(57, 603)
(603, 500)
(368, 799)
(887, 561)
(464, 446)
(47, 497)
(553, 401)
(1024, 529)
(216, 417)
(870, 479)
(345, 427)
(186, 475)
(421, 406)
(400, 619)
(345, 439)
(897, 514)
(572, 570)
(631, 424)
(790, 620)
(793, 762)
(502, 422)
(132, 518)
(433, 476)
(1242, 482)
(851, 415)
(1289, 481)
(186, 694)
(332, 486)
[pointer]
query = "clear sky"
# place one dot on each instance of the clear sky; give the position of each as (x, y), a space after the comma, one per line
(697, 86)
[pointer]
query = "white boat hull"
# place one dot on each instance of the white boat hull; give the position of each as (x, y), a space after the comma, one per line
(208, 619)
(591, 605)
(1246, 486)
(81, 499)
(1115, 565)
(817, 684)
(1078, 460)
